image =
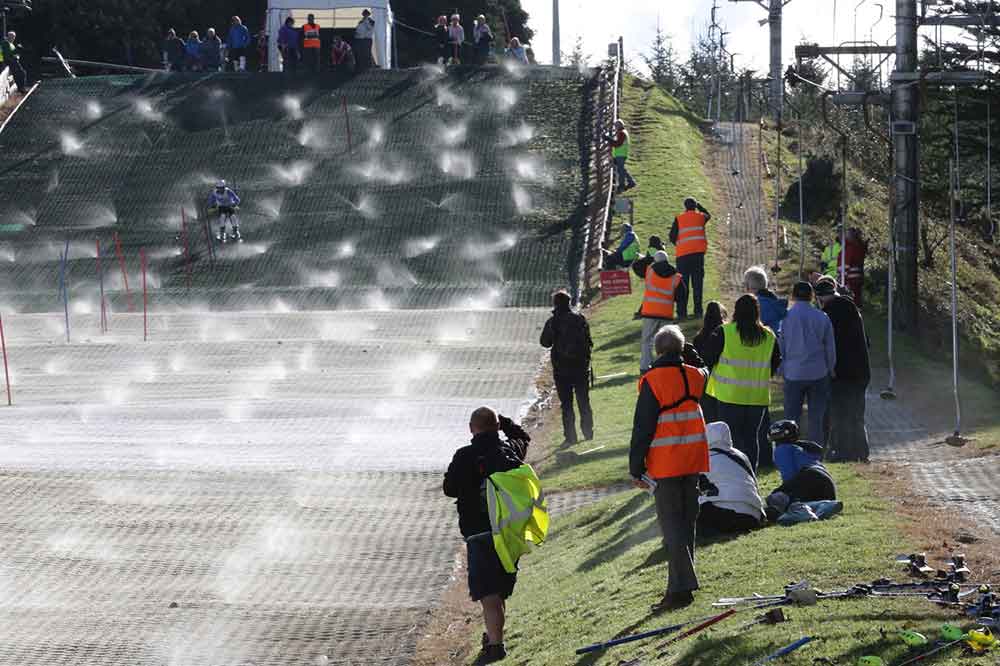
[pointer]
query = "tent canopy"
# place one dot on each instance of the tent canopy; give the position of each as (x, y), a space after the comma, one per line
(337, 14)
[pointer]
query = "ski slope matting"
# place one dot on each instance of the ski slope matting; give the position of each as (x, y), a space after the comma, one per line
(259, 482)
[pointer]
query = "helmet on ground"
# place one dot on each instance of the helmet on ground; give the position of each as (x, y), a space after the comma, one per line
(783, 431)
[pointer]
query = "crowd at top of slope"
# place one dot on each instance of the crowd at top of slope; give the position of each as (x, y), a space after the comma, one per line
(451, 172)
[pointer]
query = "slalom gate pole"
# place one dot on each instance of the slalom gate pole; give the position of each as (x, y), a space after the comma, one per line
(145, 300)
(703, 623)
(100, 279)
(121, 263)
(347, 120)
(211, 245)
(783, 651)
(187, 248)
(63, 288)
(6, 371)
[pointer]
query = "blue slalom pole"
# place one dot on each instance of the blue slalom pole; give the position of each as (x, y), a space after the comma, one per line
(783, 651)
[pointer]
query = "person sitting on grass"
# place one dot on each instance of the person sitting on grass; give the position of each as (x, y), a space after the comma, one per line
(803, 476)
(730, 503)
(628, 250)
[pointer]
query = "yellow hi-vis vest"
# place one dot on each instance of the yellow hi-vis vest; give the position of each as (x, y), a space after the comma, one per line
(622, 150)
(831, 259)
(518, 513)
(631, 252)
(743, 374)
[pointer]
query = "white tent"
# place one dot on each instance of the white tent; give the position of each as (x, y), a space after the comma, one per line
(339, 14)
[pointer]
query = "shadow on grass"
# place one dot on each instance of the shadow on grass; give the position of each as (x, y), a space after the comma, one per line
(624, 540)
(630, 338)
(618, 381)
(592, 657)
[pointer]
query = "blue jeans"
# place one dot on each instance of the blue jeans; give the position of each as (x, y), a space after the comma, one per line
(817, 393)
(624, 177)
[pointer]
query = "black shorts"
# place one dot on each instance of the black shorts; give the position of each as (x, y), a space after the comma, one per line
(486, 573)
(226, 211)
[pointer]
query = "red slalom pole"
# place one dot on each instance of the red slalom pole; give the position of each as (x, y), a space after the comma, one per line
(187, 247)
(121, 263)
(6, 372)
(347, 119)
(100, 279)
(145, 300)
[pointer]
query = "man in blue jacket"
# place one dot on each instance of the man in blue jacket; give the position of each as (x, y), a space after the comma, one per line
(238, 42)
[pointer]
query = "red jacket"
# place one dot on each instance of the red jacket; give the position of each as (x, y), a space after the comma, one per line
(342, 55)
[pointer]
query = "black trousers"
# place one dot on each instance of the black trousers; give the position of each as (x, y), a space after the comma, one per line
(748, 425)
(847, 436)
(692, 269)
(809, 485)
(713, 520)
(310, 58)
(363, 54)
(569, 385)
(677, 512)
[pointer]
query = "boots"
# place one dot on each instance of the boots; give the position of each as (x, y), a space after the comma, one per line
(222, 234)
(236, 233)
(491, 654)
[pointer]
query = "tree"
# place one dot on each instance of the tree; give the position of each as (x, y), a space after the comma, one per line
(662, 61)
(578, 57)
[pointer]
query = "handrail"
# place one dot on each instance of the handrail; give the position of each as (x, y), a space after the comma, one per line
(18, 107)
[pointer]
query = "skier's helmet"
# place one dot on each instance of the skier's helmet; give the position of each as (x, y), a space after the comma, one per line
(220, 186)
(783, 432)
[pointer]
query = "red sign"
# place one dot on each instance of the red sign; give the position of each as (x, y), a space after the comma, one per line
(615, 283)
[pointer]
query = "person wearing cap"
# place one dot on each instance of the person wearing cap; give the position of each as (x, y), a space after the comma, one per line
(663, 284)
(847, 436)
(482, 37)
(456, 39)
(363, 35)
(289, 46)
(669, 446)
(730, 502)
(621, 145)
(744, 355)
(311, 43)
(803, 475)
(809, 360)
(689, 236)
(627, 252)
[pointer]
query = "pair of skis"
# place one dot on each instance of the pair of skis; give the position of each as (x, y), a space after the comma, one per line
(801, 593)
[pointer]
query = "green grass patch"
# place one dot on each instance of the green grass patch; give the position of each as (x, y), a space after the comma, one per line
(602, 568)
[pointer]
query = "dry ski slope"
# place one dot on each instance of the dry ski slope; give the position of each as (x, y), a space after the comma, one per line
(259, 483)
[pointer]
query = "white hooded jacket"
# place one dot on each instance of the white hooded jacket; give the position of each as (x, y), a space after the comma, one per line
(735, 486)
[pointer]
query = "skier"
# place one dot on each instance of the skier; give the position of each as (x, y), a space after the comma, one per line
(224, 202)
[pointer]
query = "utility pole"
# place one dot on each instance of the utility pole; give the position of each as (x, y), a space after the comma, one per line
(556, 46)
(906, 176)
(774, 11)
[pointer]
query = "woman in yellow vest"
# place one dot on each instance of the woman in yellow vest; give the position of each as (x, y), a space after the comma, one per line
(744, 355)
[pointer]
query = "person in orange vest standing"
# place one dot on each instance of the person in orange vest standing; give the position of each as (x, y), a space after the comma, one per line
(689, 236)
(664, 286)
(668, 452)
(311, 43)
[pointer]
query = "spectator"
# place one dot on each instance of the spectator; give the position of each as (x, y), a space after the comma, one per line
(441, 32)
(803, 476)
(669, 446)
(772, 308)
(483, 38)
(628, 250)
(288, 45)
(342, 57)
(311, 43)
(173, 52)
(663, 284)
(744, 355)
(489, 582)
(567, 334)
(238, 44)
(211, 52)
(854, 257)
(642, 261)
(10, 56)
(620, 146)
(715, 316)
(261, 43)
(363, 34)
(731, 503)
(847, 435)
(192, 52)
(516, 52)
(456, 38)
(689, 236)
(809, 360)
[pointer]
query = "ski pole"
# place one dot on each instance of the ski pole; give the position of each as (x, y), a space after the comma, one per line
(6, 372)
(647, 634)
(100, 279)
(704, 625)
(783, 651)
(940, 648)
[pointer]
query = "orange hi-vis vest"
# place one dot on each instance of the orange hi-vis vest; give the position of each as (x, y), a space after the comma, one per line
(679, 446)
(310, 36)
(658, 298)
(691, 238)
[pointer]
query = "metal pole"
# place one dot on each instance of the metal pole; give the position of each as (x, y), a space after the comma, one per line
(989, 164)
(905, 103)
(774, 21)
(777, 200)
(556, 46)
(802, 207)
(843, 215)
(954, 301)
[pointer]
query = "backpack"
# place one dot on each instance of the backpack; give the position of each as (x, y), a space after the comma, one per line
(571, 344)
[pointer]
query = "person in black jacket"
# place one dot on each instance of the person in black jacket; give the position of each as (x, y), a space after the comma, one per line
(173, 51)
(847, 437)
(465, 480)
(567, 334)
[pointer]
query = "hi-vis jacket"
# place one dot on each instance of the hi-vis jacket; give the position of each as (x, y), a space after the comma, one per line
(680, 445)
(742, 375)
(518, 513)
(310, 36)
(658, 297)
(691, 238)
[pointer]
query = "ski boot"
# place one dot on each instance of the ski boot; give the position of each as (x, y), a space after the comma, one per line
(222, 234)
(958, 568)
(236, 237)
